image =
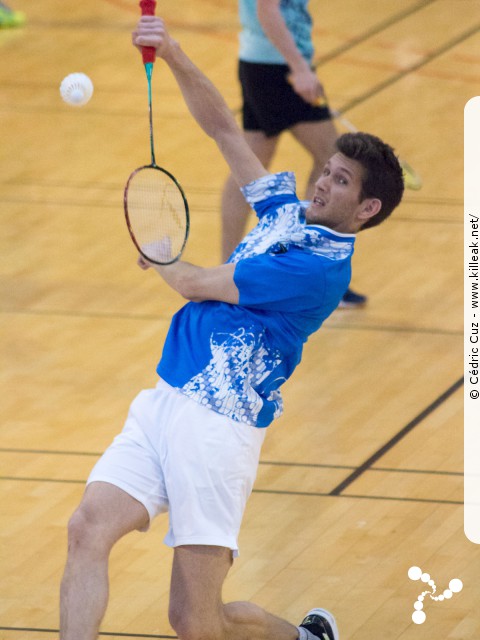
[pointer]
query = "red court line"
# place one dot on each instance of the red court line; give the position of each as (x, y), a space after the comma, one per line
(219, 33)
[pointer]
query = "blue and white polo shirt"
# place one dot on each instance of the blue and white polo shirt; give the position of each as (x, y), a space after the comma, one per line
(291, 276)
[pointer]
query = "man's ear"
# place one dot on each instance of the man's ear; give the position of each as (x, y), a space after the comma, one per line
(370, 207)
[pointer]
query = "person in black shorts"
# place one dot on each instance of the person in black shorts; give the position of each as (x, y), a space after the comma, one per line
(270, 104)
(280, 92)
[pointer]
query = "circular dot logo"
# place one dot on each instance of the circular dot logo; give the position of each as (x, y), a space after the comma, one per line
(416, 573)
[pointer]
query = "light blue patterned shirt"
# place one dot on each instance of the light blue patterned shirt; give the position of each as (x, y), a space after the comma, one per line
(254, 44)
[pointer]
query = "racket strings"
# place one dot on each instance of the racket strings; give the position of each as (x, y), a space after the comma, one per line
(157, 214)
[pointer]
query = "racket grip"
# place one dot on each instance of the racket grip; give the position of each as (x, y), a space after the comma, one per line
(147, 8)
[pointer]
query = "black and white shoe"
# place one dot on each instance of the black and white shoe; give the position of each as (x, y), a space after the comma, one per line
(322, 624)
(352, 300)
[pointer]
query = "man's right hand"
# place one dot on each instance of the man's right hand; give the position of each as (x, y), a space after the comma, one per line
(151, 32)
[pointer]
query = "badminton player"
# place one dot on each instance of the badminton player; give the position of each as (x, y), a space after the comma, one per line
(190, 446)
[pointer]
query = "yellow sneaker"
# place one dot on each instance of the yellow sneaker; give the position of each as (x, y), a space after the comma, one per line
(10, 18)
(411, 178)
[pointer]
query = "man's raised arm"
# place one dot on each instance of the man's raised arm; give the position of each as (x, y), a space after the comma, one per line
(204, 101)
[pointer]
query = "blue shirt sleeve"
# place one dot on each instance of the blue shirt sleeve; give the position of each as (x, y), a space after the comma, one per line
(270, 191)
(290, 282)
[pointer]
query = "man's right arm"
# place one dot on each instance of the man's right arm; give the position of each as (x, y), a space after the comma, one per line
(304, 81)
(205, 103)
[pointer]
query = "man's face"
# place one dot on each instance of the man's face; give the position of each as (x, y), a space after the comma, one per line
(336, 203)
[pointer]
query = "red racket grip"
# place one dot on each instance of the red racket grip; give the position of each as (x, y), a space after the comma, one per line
(147, 8)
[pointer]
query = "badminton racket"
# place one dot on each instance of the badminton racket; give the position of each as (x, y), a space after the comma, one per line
(156, 209)
(411, 178)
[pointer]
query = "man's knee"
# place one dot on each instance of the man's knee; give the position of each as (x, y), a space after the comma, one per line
(105, 515)
(85, 532)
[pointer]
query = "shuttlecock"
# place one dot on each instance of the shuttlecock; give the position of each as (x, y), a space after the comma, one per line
(76, 89)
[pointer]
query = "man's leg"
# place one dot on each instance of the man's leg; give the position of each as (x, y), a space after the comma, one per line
(196, 608)
(105, 514)
(318, 138)
(234, 205)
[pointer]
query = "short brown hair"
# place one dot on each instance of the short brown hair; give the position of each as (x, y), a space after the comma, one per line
(383, 175)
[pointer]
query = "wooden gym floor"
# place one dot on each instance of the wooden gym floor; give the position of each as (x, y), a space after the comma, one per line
(362, 477)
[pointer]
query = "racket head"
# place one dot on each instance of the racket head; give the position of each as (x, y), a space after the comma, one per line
(157, 214)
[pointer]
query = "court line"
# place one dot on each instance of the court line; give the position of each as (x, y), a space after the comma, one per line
(193, 189)
(320, 494)
(266, 463)
(433, 472)
(399, 499)
(50, 452)
(132, 8)
(409, 70)
(100, 633)
(396, 439)
(344, 466)
(279, 492)
(431, 331)
(373, 31)
(417, 219)
(393, 328)
(73, 203)
(370, 65)
(431, 201)
(52, 480)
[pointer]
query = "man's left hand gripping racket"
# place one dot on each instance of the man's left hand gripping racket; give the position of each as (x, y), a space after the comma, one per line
(156, 209)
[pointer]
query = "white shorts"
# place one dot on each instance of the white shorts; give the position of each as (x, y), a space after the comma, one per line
(175, 455)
